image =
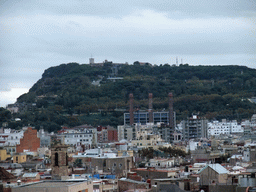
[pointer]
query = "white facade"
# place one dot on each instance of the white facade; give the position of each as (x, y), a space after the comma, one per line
(126, 132)
(247, 127)
(253, 121)
(10, 137)
(196, 167)
(235, 128)
(224, 128)
(246, 154)
(160, 163)
(76, 139)
(79, 137)
(192, 145)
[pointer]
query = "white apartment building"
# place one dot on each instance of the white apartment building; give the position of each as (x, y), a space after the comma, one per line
(126, 132)
(161, 163)
(224, 128)
(10, 137)
(75, 137)
(247, 127)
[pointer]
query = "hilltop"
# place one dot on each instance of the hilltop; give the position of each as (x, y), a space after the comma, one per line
(71, 94)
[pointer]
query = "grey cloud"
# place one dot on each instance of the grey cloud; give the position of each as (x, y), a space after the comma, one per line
(177, 8)
(36, 34)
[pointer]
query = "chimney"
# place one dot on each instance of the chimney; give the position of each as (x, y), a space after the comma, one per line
(131, 109)
(171, 119)
(150, 107)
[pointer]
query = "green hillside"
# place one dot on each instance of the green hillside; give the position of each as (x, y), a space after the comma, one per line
(72, 94)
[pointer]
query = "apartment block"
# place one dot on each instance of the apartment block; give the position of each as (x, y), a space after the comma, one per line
(30, 141)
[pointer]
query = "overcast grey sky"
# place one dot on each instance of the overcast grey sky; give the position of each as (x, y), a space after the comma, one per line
(38, 34)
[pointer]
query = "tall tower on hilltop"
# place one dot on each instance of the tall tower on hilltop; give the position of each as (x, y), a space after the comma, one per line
(91, 60)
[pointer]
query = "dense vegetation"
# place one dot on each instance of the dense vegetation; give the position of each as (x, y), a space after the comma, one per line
(69, 94)
(150, 153)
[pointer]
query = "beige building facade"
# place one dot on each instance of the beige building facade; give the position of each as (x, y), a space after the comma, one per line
(56, 186)
(19, 158)
(3, 155)
(213, 174)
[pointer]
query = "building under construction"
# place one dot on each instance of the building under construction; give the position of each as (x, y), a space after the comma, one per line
(153, 117)
(150, 116)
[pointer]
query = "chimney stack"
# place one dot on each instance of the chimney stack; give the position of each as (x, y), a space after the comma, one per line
(150, 107)
(131, 109)
(171, 119)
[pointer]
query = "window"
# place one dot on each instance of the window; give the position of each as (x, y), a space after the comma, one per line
(56, 159)
(66, 159)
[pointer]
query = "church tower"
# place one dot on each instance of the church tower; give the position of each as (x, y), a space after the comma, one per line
(59, 161)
